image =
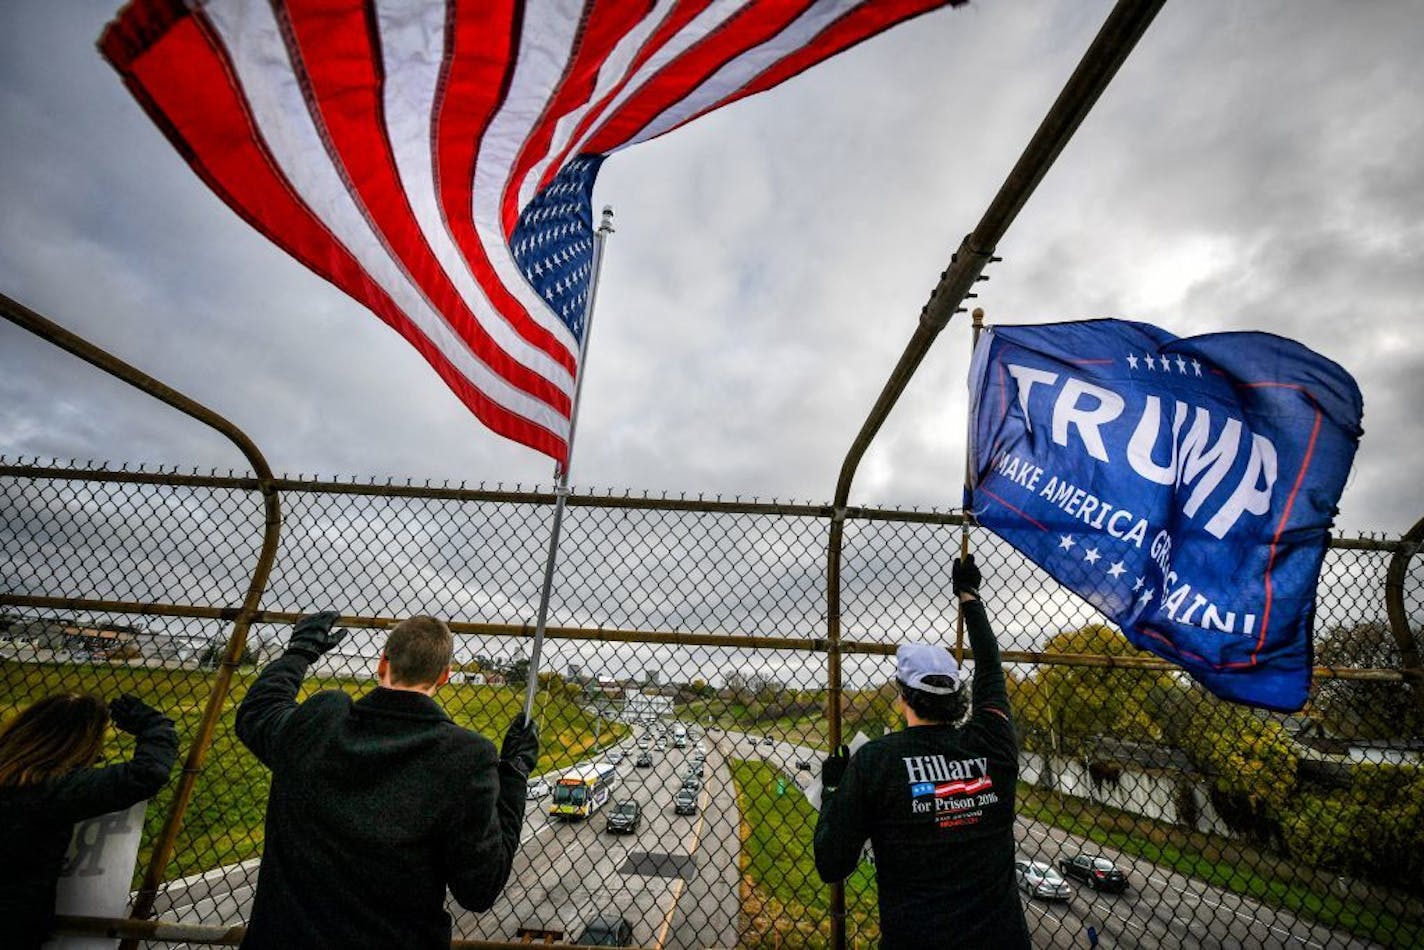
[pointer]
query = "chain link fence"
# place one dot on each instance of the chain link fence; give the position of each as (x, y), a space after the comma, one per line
(687, 653)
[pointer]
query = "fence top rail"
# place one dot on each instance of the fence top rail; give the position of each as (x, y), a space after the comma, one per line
(700, 639)
(409, 488)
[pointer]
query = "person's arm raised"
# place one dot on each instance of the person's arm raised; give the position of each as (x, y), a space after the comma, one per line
(991, 696)
(271, 700)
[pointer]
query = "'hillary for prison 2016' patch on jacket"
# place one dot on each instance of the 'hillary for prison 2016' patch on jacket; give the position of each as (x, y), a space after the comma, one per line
(950, 792)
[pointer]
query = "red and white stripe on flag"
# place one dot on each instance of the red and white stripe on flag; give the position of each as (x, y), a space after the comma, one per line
(408, 150)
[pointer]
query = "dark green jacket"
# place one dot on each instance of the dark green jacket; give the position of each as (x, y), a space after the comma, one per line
(376, 806)
(37, 821)
(937, 804)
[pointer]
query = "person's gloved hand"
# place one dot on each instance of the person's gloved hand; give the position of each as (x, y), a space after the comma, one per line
(130, 714)
(833, 769)
(965, 577)
(521, 745)
(312, 635)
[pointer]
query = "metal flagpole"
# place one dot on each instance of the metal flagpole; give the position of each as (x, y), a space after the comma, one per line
(561, 472)
(978, 317)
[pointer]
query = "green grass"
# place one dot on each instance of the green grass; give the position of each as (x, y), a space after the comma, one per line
(783, 900)
(1223, 863)
(223, 822)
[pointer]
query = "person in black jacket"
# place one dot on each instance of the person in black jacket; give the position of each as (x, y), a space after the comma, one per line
(48, 784)
(377, 805)
(936, 799)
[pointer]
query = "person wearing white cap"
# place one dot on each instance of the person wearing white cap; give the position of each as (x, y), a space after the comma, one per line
(936, 799)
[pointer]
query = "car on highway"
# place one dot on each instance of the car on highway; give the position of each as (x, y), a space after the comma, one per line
(803, 765)
(644, 761)
(685, 801)
(624, 818)
(697, 769)
(692, 782)
(536, 789)
(1094, 870)
(644, 742)
(1039, 879)
(766, 741)
(614, 756)
(607, 930)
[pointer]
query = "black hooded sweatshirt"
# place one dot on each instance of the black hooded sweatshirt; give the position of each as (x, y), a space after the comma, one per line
(937, 803)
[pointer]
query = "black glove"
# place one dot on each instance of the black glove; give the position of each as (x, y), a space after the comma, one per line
(965, 577)
(521, 745)
(833, 769)
(312, 636)
(130, 714)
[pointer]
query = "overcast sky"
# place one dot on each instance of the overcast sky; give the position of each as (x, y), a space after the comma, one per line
(1253, 166)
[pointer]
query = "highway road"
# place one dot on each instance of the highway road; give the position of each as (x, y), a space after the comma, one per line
(1161, 908)
(677, 878)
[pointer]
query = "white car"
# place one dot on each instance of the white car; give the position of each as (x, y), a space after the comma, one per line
(536, 789)
(1038, 879)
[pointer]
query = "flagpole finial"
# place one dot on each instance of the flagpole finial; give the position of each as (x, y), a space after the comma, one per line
(606, 227)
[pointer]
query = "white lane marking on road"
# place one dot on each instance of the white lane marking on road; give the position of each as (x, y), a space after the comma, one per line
(678, 887)
(1253, 918)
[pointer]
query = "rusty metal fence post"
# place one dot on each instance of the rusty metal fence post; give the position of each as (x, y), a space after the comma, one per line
(1119, 34)
(47, 330)
(1398, 615)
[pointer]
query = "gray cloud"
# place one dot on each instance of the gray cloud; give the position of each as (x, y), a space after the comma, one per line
(1252, 167)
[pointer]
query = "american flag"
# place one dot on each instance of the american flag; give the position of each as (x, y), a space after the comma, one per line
(435, 160)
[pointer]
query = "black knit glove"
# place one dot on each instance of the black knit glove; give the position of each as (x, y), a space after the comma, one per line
(312, 635)
(965, 577)
(521, 745)
(833, 769)
(130, 714)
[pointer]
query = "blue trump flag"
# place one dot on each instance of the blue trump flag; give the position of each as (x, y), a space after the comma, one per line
(1184, 487)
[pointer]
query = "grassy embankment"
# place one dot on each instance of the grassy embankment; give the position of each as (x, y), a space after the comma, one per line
(223, 823)
(784, 903)
(799, 726)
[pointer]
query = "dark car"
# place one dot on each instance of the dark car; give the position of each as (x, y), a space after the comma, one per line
(1094, 870)
(644, 761)
(803, 765)
(607, 931)
(624, 818)
(685, 801)
(697, 769)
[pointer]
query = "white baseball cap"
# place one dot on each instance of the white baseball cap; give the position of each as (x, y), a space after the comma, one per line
(915, 661)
